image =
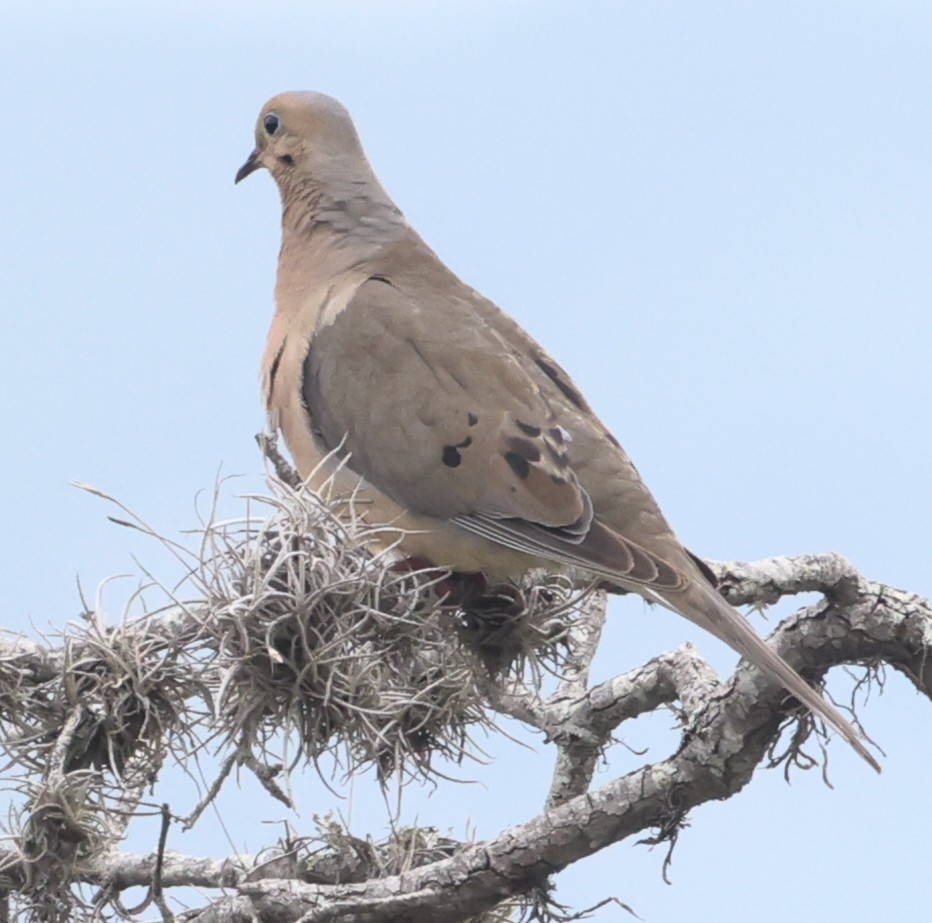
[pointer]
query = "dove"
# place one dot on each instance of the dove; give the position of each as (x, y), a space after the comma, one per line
(449, 425)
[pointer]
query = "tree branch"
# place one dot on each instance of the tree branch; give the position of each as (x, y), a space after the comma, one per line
(766, 582)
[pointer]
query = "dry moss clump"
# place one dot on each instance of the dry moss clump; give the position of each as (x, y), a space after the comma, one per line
(323, 648)
(84, 729)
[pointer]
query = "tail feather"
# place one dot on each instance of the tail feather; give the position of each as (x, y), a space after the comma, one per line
(701, 604)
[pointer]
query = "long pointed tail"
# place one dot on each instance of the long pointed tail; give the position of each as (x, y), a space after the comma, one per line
(703, 605)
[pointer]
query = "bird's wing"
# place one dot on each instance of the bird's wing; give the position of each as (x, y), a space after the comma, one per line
(439, 411)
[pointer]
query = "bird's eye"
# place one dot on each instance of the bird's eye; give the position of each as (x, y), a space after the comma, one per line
(270, 123)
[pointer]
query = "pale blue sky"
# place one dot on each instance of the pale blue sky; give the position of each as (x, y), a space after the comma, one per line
(716, 215)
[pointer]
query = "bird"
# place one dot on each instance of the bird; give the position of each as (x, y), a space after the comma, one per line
(390, 377)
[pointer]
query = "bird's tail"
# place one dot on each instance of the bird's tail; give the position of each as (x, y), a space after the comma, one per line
(701, 604)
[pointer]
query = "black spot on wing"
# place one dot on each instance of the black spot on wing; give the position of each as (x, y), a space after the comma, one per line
(472, 418)
(528, 428)
(518, 464)
(452, 456)
(523, 448)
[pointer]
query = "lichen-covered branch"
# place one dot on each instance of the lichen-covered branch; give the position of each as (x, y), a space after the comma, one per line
(765, 582)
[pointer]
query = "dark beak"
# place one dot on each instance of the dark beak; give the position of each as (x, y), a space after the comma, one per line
(252, 164)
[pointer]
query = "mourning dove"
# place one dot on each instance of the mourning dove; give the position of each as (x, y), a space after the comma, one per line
(387, 374)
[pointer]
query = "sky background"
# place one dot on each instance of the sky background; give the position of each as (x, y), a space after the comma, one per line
(715, 215)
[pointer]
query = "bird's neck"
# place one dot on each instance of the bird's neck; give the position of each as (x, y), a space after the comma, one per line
(340, 228)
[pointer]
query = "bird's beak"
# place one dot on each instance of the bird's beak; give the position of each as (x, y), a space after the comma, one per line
(252, 164)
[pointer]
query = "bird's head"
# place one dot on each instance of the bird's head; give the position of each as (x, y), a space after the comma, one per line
(302, 135)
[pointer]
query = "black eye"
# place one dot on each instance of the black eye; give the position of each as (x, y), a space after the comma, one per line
(270, 123)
